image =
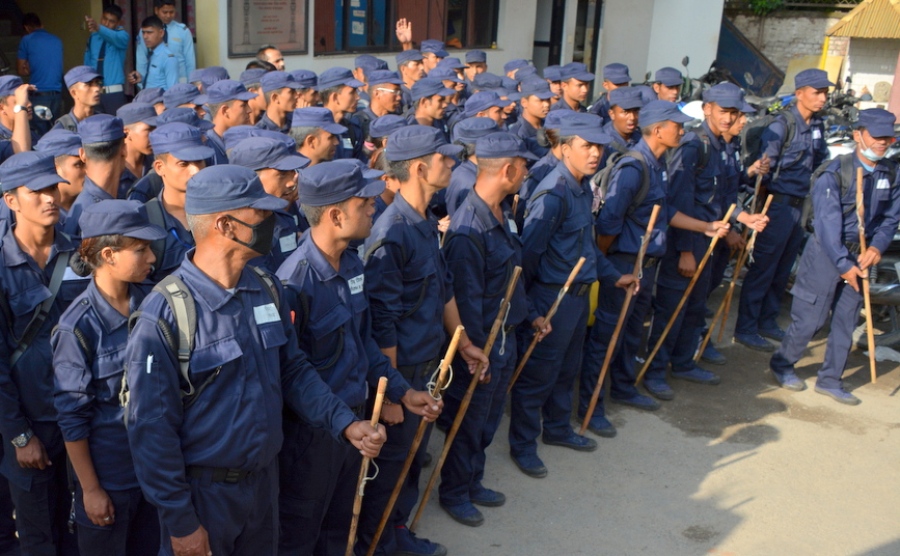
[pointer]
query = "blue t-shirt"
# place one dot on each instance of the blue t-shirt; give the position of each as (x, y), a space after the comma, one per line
(44, 54)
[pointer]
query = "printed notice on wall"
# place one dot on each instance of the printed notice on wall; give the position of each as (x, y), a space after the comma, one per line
(253, 23)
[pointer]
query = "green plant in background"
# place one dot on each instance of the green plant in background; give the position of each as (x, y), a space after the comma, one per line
(763, 7)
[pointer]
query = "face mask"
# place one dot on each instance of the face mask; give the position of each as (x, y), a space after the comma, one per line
(868, 152)
(261, 239)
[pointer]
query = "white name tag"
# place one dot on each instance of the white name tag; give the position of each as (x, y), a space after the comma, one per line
(723, 156)
(69, 275)
(265, 314)
(665, 176)
(288, 243)
(347, 143)
(816, 133)
(883, 184)
(512, 226)
(356, 284)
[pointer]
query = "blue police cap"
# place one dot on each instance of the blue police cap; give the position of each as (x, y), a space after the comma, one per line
(135, 112)
(275, 80)
(59, 142)
(332, 77)
(80, 74)
(385, 125)
(626, 98)
(381, 77)
(483, 100)
(575, 70)
(181, 140)
(670, 77)
(726, 95)
(815, 78)
(257, 153)
(118, 217)
(251, 77)
(487, 80)
(224, 91)
(526, 73)
(316, 116)
(209, 75)
(181, 93)
(451, 62)
(369, 63)
(587, 126)
(537, 87)
(238, 133)
(553, 73)
(476, 57)
(9, 84)
(150, 95)
(407, 56)
(444, 73)
(225, 187)
(661, 111)
(330, 183)
(469, 130)
(368, 173)
(877, 121)
(415, 141)
(616, 73)
(433, 46)
(32, 169)
(427, 87)
(502, 145)
(646, 91)
(100, 128)
(555, 118)
(183, 115)
(515, 64)
(305, 78)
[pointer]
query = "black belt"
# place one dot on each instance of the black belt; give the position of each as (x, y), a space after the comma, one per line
(425, 369)
(509, 328)
(217, 474)
(576, 290)
(852, 247)
(795, 202)
(648, 262)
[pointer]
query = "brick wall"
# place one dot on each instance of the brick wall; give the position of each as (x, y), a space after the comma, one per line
(785, 35)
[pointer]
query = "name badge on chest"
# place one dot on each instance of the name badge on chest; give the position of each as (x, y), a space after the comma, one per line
(265, 314)
(347, 143)
(288, 243)
(356, 284)
(883, 183)
(512, 226)
(816, 133)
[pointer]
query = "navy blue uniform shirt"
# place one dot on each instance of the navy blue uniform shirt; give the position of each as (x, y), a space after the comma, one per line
(90, 194)
(805, 153)
(528, 134)
(179, 241)
(462, 180)
(265, 122)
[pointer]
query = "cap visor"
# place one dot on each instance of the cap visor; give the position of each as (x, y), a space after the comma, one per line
(527, 155)
(631, 105)
(268, 202)
(450, 150)
(672, 82)
(291, 162)
(679, 117)
(246, 96)
(595, 137)
(446, 92)
(201, 100)
(355, 83)
(372, 174)
(584, 76)
(334, 129)
(372, 189)
(747, 108)
(151, 121)
(148, 233)
(44, 180)
(190, 154)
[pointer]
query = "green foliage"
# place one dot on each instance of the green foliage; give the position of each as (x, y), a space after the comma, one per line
(763, 7)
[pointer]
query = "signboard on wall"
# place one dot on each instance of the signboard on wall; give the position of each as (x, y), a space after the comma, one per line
(253, 23)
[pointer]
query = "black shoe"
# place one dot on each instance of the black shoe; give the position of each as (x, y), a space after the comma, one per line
(573, 441)
(638, 401)
(464, 513)
(481, 496)
(531, 465)
(426, 461)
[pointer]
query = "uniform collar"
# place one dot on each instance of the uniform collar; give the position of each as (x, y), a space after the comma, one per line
(213, 296)
(425, 226)
(111, 319)
(716, 142)
(577, 188)
(215, 138)
(482, 211)
(14, 256)
(94, 190)
(320, 264)
(643, 148)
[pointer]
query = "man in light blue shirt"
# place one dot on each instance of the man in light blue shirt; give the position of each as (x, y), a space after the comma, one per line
(177, 37)
(158, 66)
(105, 52)
(40, 59)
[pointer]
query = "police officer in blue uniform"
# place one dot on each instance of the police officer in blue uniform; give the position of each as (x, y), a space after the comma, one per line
(340, 92)
(111, 514)
(157, 66)
(316, 134)
(184, 95)
(483, 104)
(36, 286)
(558, 231)
(549, 134)
(667, 83)
(465, 133)
(621, 225)
(791, 166)
(615, 75)
(432, 53)
(16, 113)
(429, 104)
(535, 105)
(324, 282)
(105, 52)
(697, 177)
(64, 146)
(827, 289)
(625, 106)
(481, 248)
(84, 85)
(154, 96)
(215, 484)
(102, 139)
(575, 82)
(180, 154)
(227, 101)
(177, 38)
(409, 66)
(411, 296)
(276, 165)
(138, 119)
(280, 89)
(384, 98)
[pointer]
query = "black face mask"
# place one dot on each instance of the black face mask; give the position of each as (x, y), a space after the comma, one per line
(263, 233)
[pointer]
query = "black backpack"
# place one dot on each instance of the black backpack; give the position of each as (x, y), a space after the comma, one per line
(600, 181)
(846, 177)
(751, 138)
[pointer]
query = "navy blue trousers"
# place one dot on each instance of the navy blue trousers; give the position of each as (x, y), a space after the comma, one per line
(820, 295)
(774, 254)
(621, 371)
(135, 531)
(544, 388)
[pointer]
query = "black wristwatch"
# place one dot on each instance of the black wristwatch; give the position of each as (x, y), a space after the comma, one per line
(22, 440)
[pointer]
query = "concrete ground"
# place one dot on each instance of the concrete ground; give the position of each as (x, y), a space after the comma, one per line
(743, 468)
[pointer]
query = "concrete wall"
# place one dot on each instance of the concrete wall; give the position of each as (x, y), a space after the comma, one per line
(785, 35)
(515, 39)
(871, 61)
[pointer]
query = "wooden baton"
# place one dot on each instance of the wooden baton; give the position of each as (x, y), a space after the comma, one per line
(860, 215)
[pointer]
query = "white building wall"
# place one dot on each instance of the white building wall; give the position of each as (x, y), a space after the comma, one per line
(871, 61)
(515, 39)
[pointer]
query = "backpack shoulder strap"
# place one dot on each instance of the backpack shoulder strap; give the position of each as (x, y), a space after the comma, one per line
(181, 302)
(156, 217)
(645, 183)
(43, 310)
(269, 285)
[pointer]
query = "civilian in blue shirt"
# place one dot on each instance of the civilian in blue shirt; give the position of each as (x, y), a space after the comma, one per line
(111, 514)
(105, 52)
(215, 485)
(325, 290)
(482, 249)
(827, 289)
(156, 65)
(411, 297)
(177, 38)
(36, 287)
(40, 58)
(84, 84)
